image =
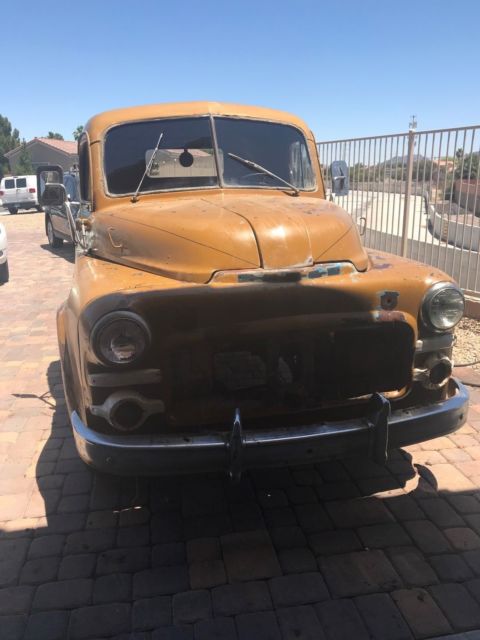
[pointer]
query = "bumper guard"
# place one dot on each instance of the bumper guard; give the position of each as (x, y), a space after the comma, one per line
(372, 437)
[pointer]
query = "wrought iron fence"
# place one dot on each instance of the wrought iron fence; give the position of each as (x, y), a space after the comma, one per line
(416, 194)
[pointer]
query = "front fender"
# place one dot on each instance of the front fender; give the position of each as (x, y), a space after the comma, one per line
(61, 332)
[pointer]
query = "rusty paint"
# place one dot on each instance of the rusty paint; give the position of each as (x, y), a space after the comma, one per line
(389, 316)
(175, 259)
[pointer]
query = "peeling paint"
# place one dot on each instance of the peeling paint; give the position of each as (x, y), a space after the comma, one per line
(285, 275)
(389, 316)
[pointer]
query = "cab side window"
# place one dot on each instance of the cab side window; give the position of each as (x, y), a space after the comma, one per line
(84, 168)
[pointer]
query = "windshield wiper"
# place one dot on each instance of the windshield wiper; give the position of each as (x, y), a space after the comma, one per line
(258, 167)
(147, 169)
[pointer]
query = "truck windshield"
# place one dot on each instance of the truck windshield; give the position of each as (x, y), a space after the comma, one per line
(187, 158)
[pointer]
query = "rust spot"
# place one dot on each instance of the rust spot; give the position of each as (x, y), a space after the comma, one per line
(389, 316)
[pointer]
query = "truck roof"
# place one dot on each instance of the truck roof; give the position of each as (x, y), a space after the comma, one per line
(97, 125)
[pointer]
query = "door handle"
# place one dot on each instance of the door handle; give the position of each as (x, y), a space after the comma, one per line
(116, 246)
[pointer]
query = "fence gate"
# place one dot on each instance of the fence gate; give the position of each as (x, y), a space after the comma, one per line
(417, 194)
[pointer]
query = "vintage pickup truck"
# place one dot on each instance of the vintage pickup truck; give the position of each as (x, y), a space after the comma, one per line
(225, 315)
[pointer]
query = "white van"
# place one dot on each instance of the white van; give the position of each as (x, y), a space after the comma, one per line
(19, 192)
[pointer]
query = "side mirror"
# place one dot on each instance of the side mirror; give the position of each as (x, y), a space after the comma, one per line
(48, 174)
(54, 195)
(340, 179)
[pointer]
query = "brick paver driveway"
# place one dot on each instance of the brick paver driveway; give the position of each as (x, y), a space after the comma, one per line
(338, 551)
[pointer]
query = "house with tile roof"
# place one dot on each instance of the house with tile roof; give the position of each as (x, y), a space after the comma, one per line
(47, 151)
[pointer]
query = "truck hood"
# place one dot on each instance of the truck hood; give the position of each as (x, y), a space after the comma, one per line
(192, 238)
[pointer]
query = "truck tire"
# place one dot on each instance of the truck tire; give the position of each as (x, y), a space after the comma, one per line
(53, 241)
(13, 210)
(4, 274)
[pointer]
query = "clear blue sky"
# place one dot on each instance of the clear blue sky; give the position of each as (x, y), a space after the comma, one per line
(349, 68)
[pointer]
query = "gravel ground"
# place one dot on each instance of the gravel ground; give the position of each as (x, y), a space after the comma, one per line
(467, 344)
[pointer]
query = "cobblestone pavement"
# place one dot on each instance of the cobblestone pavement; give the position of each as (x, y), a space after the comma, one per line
(336, 551)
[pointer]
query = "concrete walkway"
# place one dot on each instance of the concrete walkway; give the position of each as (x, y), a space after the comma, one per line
(384, 214)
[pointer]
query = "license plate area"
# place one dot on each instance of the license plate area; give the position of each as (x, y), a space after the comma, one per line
(290, 370)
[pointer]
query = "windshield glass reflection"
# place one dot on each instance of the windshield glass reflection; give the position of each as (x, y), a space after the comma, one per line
(186, 157)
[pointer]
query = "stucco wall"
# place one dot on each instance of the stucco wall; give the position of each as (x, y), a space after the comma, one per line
(467, 195)
(455, 231)
(42, 154)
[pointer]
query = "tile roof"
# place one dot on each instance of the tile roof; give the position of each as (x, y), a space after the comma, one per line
(67, 146)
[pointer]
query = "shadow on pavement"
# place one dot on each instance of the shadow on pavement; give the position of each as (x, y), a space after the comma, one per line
(342, 549)
(66, 251)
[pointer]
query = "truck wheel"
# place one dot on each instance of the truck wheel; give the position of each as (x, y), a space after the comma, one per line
(13, 210)
(53, 241)
(4, 275)
(39, 209)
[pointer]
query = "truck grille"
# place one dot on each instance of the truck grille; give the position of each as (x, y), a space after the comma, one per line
(297, 370)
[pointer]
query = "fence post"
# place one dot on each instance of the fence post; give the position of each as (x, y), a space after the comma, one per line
(408, 186)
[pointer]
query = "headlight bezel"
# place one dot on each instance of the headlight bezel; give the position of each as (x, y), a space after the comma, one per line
(425, 309)
(105, 322)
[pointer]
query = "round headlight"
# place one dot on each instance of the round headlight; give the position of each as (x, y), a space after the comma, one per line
(443, 306)
(120, 338)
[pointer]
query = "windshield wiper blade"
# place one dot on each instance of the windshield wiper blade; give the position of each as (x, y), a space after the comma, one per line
(258, 167)
(147, 169)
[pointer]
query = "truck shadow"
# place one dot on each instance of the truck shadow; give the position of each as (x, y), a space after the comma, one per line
(127, 539)
(66, 251)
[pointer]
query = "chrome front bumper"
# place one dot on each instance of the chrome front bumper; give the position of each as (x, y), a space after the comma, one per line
(232, 452)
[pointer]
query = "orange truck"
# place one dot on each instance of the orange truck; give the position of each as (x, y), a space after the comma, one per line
(224, 314)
